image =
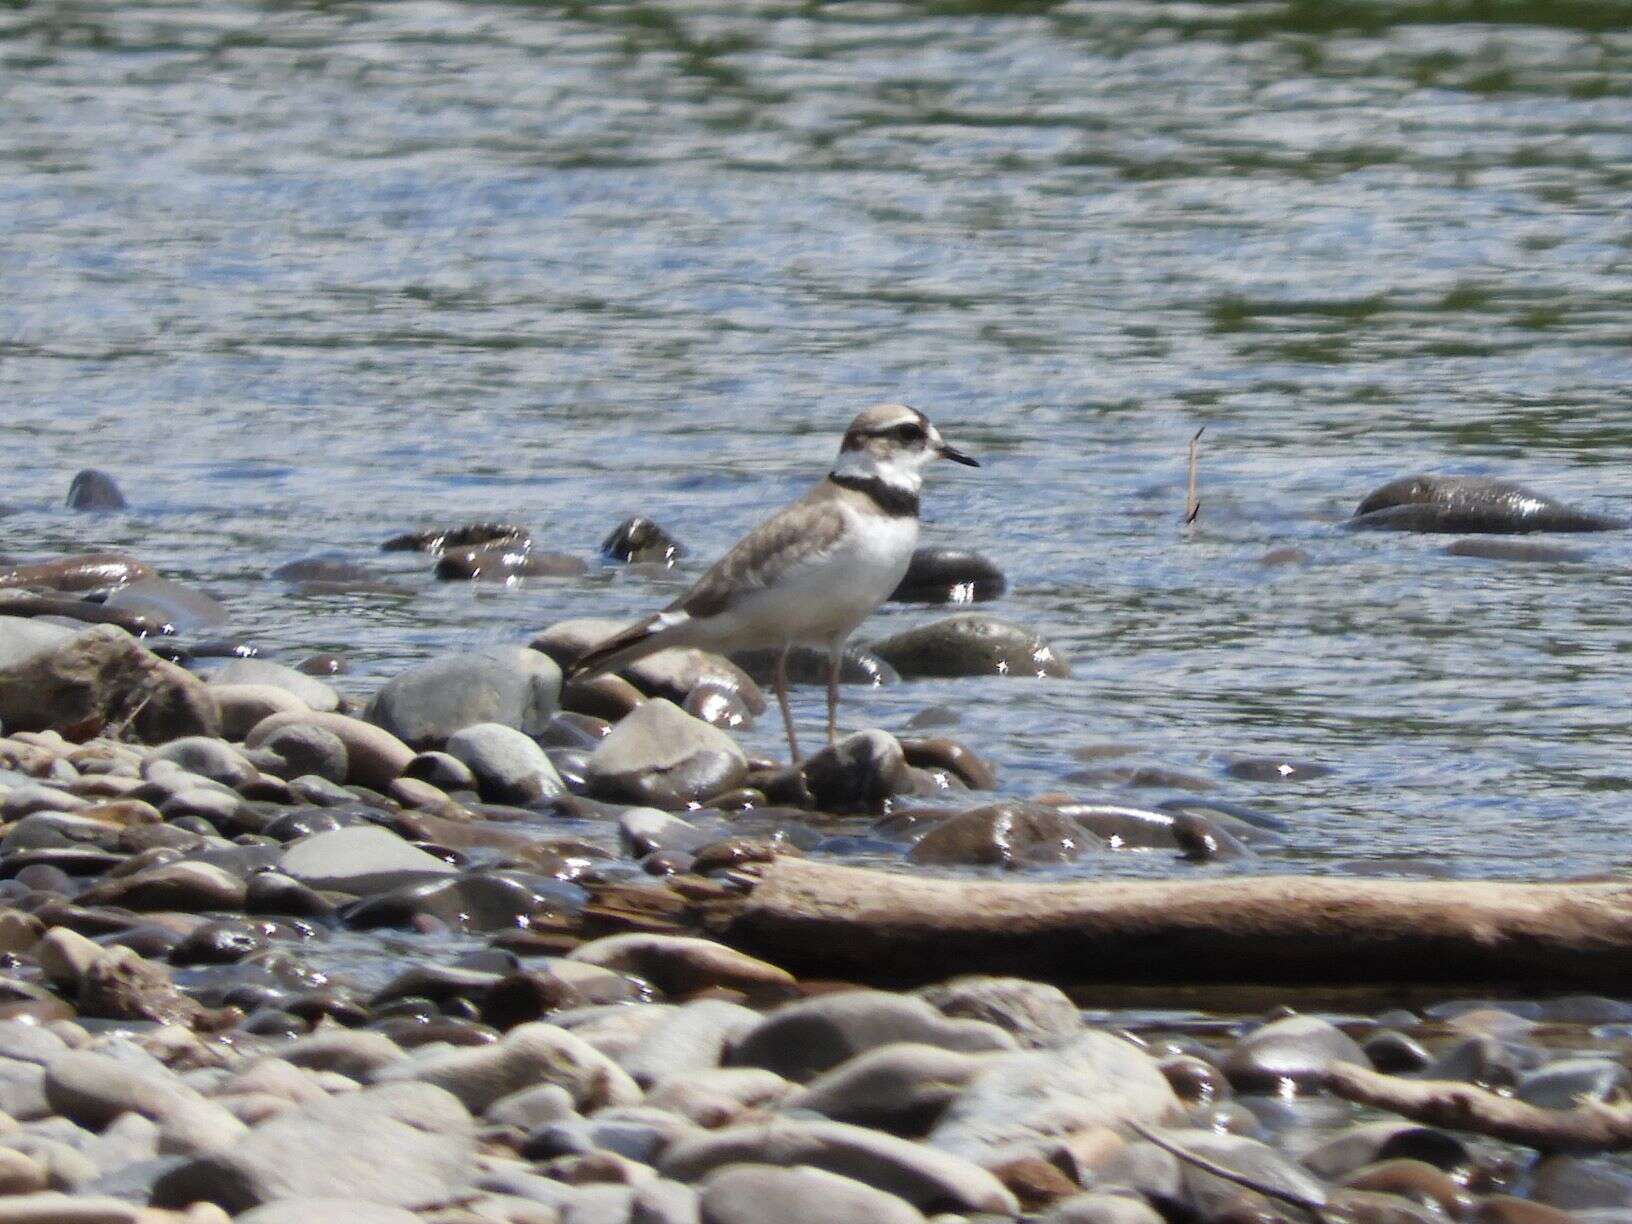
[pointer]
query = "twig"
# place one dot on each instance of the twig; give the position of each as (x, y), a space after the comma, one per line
(1192, 506)
(1590, 1127)
(1314, 1206)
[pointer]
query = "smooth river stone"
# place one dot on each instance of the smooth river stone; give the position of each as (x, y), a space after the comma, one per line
(22, 636)
(858, 774)
(468, 535)
(508, 767)
(1037, 1013)
(801, 1040)
(764, 1194)
(660, 756)
(949, 575)
(408, 1145)
(510, 685)
(1293, 1053)
(970, 644)
(244, 705)
(1010, 835)
(499, 563)
(376, 757)
(314, 693)
(360, 860)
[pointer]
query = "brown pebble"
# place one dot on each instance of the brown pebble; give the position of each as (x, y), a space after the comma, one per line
(1035, 1182)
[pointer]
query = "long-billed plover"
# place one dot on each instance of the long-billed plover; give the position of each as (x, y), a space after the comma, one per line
(813, 571)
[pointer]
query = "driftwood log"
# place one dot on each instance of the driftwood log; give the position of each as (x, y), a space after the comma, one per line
(822, 920)
(1589, 1127)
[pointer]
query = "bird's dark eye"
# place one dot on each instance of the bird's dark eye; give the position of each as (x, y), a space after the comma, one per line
(910, 432)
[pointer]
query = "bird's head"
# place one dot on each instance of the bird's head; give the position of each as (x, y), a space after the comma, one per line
(895, 443)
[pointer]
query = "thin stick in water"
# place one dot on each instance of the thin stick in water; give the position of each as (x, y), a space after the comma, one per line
(1192, 506)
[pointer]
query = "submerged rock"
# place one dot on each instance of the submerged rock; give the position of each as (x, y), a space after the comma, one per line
(94, 489)
(169, 603)
(505, 563)
(642, 541)
(857, 774)
(949, 575)
(971, 644)
(470, 535)
(88, 572)
(1468, 505)
(1009, 835)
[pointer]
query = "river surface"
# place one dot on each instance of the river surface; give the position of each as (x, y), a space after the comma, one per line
(303, 276)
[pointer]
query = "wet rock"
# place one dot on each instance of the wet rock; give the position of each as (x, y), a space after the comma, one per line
(1394, 1052)
(468, 535)
(359, 860)
(970, 644)
(441, 770)
(87, 572)
(672, 674)
(1194, 1080)
(54, 1207)
(506, 563)
(526, 1056)
(94, 1089)
(1275, 769)
(808, 665)
(355, 1054)
(312, 692)
(1019, 1103)
(471, 901)
(661, 757)
(1038, 1014)
(718, 706)
(902, 1088)
(272, 892)
(307, 750)
(642, 541)
(763, 1194)
(102, 678)
(374, 757)
(512, 686)
(178, 607)
(928, 1179)
(1293, 1053)
(679, 964)
(1200, 840)
(419, 1151)
(953, 758)
(94, 489)
(1011, 835)
(858, 774)
(1483, 1059)
(63, 607)
(801, 1040)
(1470, 505)
(1522, 552)
(508, 767)
(644, 830)
(949, 575)
(1575, 1184)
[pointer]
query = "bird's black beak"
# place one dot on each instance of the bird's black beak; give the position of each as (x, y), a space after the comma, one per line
(948, 451)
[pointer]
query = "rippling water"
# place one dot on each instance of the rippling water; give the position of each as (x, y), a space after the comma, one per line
(306, 275)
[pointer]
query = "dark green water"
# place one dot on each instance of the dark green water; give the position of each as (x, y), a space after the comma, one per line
(303, 276)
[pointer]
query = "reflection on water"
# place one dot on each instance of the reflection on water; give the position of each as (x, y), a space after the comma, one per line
(304, 276)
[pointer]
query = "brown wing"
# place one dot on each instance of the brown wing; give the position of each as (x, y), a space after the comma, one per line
(810, 526)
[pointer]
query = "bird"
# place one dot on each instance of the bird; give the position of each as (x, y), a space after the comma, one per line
(813, 571)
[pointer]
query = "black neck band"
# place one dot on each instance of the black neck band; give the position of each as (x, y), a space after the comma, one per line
(892, 499)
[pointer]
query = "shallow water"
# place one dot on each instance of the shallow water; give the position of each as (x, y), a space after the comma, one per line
(303, 277)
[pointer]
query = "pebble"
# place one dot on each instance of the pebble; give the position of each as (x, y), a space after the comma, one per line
(313, 693)
(1011, 835)
(639, 540)
(1289, 1054)
(1037, 1014)
(375, 758)
(949, 575)
(678, 964)
(765, 1194)
(360, 860)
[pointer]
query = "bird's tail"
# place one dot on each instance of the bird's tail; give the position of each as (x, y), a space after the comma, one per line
(622, 647)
